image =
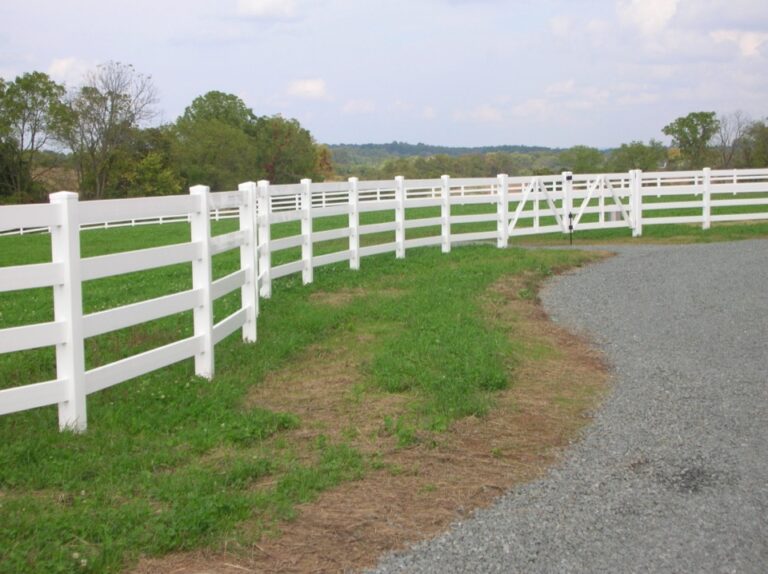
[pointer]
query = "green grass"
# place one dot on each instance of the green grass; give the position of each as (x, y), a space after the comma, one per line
(173, 462)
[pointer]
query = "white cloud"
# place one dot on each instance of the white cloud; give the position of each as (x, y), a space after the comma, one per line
(428, 113)
(69, 70)
(483, 113)
(359, 107)
(539, 108)
(560, 88)
(638, 99)
(308, 89)
(649, 16)
(749, 43)
(560, 26)
(266, 8)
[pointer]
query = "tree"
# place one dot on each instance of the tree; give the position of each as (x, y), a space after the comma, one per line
(216, 154)
(221, 142)
(637, 155)
(31, 110)
(692, 135)
(286, 151)
(582, 159)
(113, 101)
(730, 137)
(226, 108)
(323, 162)
(214, 142)
(145, 165)
(6, 170)
(754, 148)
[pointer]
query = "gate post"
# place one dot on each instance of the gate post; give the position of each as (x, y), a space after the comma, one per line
(567, 201)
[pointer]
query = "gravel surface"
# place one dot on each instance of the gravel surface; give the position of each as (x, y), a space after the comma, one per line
(672, 476)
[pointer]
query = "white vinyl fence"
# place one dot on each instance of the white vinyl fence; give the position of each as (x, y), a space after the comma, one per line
(514, 206)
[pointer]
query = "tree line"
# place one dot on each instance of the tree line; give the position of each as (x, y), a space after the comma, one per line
(97, 139)
(699, 139)
(99, 135)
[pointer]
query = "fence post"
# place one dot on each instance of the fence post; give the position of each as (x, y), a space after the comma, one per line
(354, 224)
(601, 200)
(307, 272)
(567, 183)
(249, 292)
(400, 217)
(502, 223)
(445, 213)
(707, 199)
(202, 277)
(265, 238)
(68, 309)
(636, 191)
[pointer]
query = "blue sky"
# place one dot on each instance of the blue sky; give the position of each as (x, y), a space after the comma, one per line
(451, 72)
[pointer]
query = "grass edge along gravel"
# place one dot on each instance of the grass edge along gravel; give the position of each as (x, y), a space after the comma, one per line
(148, 478)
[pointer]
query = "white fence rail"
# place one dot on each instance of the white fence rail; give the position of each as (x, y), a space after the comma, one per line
(508, 206)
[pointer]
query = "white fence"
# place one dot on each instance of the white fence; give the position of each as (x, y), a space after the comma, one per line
(514, 206)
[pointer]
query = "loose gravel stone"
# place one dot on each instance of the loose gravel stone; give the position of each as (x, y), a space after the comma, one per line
(672, 475)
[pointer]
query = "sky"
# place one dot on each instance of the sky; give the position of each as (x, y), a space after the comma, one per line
(445, 72)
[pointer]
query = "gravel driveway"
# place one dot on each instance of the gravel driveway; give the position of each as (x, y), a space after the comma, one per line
(672, 476)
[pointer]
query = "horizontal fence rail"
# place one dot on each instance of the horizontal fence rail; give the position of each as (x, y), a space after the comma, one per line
(362, 217)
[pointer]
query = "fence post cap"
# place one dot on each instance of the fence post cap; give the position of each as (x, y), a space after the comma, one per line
(60, 196)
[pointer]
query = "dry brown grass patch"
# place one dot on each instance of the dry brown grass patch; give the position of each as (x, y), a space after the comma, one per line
(416, 492)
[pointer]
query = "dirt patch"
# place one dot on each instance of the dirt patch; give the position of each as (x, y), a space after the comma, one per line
(346, 296)
(416, 492)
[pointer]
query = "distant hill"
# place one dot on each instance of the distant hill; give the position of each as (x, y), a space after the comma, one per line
(373, 154)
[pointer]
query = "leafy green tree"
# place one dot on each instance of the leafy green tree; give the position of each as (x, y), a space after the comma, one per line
(692, 135)
(152, 176)
(145, 165)
(582, 159)
(225, 108)
(637, 155)
(221, 142)
(31, 110)
(286, 151)
(211, 152)
(754, 148)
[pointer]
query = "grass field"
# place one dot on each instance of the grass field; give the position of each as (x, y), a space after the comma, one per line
(172, 462)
